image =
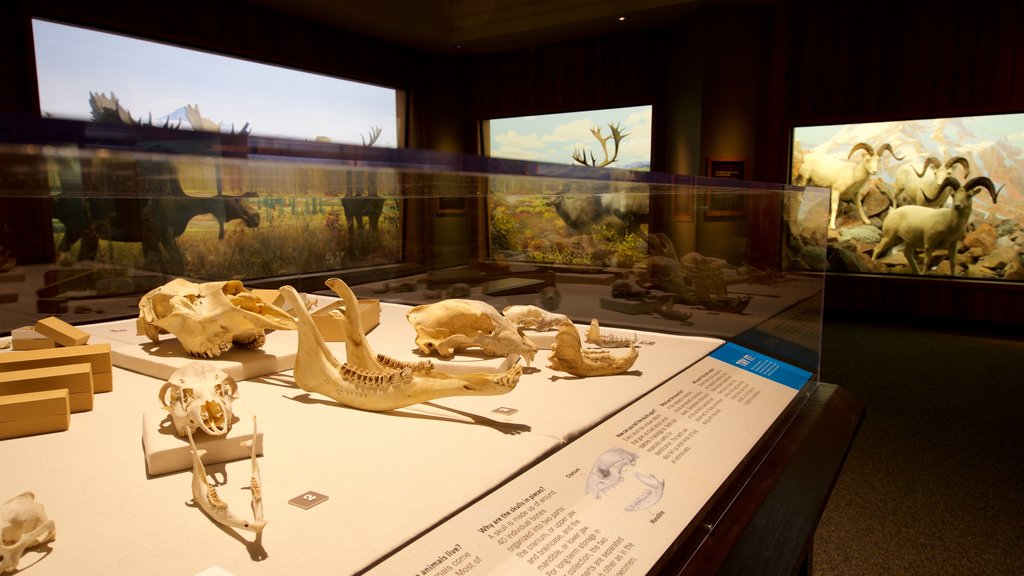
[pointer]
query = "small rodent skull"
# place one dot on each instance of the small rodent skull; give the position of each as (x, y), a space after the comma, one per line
(199, 397)
(208, 318)
(23, 524)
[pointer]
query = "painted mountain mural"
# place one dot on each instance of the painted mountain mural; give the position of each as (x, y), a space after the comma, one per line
(992, 145)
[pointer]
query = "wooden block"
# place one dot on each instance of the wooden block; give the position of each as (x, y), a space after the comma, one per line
(330, 329)
(51, 305)
(34, 413)
(8, 297)
(13, 275)
(269, 295)
(26, 338)
(97, 355)
(75, 378)
(61, 332)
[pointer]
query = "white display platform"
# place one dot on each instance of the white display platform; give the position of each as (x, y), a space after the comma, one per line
(166, 452)
(389, 477)
(161, 359)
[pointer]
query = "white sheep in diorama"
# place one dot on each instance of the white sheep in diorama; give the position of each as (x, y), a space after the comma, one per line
(923, 187)
(922, 227)
(847, 180)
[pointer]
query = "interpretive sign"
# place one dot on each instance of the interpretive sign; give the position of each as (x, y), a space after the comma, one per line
(614, 500)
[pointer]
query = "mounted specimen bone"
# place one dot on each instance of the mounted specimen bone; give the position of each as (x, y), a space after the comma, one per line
(532, 317)
(208, 318)
(23, 524)
(568, 355)
(199, 396)
(206, 497)
(458, 324)
(375, 382)
(594, 336)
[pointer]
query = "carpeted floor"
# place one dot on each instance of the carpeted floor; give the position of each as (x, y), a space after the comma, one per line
(934, 483)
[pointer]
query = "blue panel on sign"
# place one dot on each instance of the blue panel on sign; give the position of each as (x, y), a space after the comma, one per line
(764, 366)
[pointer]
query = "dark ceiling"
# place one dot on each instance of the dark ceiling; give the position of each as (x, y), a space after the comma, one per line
(479, 26)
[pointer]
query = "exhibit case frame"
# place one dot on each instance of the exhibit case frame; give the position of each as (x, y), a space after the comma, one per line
(667, 464)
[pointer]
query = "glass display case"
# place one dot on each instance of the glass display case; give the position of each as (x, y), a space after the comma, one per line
(706, 325)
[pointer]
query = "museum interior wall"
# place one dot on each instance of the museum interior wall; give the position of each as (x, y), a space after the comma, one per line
(729, 79)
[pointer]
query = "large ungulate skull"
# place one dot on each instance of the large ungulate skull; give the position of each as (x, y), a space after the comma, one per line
(23, 524)
(208, 318)
(457, 324)
(199, 397)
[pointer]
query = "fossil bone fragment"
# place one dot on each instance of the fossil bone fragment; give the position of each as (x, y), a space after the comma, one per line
(459, 324)
(208, 318)
(594, 336)
(375, 382)
(534, 317)
(568, 355)
(207, 498)
(23, 524)
(651, 494)
(199, 396)
(607, 471)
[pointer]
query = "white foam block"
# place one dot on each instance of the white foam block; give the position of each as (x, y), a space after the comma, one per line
(166, 452)
(161, 359)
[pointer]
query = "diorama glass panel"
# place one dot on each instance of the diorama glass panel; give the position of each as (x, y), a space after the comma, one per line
(875, 169)
(523, 227)
(701, 258)
(217, 217)
(86, 74)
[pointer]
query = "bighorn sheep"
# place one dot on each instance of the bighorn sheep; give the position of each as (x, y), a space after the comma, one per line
(932, 228)
(922, 188)
(848, 180)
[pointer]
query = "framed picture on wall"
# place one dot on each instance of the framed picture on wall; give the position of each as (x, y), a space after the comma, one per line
(720, 204)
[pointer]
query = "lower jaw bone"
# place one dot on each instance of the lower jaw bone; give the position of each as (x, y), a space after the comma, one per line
(206, 497)
(371, 382)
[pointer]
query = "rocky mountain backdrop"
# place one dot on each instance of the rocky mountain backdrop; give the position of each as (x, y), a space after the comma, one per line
(994, 242)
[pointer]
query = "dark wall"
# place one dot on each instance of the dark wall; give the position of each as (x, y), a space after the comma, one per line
(730, 78)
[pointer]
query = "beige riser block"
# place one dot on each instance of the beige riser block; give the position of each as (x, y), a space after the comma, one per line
(97, 355)
(61, 332)
(34, 413)
(75, 378)
(166, 452)
(330, 329)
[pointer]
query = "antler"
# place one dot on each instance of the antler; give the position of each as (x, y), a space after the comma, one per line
(374, 134)
(617, 135)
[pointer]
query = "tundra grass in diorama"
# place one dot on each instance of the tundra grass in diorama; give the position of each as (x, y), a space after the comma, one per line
(586, 223)
(901, 180)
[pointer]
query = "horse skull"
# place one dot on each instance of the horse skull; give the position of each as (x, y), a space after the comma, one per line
(208, 318)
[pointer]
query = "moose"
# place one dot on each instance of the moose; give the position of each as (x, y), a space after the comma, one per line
(362, 203)
(156, 216)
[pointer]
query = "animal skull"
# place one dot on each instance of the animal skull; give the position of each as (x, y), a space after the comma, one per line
(23, 524)
(208, 318)
(199, 396)
(534, 317)
(458, 324)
